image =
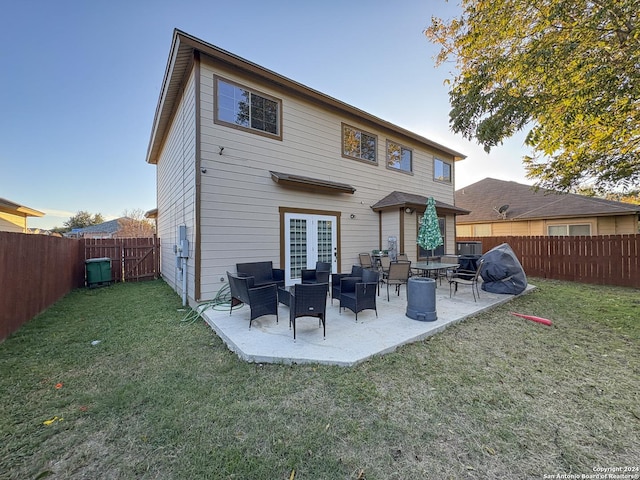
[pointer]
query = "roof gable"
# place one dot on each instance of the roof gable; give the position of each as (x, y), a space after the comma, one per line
(485, 197)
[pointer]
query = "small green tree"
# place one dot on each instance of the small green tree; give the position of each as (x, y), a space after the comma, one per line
(83, 219)
(566, 70)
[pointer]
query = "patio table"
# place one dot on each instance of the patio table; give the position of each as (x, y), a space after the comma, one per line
(439, 267)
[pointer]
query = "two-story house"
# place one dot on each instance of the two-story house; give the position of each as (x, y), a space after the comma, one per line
(253, 166)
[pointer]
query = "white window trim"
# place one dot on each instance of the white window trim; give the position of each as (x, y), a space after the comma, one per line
(566, 229)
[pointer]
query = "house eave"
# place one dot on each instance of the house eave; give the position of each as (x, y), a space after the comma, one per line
(16, 209)
(180, 57)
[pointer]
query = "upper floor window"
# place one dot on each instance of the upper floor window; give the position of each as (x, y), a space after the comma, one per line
(571, 230)
(358, 144)
(441, 170)
(399, 157)
(240, 107)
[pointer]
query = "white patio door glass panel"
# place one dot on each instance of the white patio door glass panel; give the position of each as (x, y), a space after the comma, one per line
(310, 239)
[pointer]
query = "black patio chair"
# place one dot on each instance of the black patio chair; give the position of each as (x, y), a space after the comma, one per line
(318, 275)
(359, 294)
(308, 300)
(356, 271)
(261, 300)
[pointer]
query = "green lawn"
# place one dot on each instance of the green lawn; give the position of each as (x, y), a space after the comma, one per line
(496, 396)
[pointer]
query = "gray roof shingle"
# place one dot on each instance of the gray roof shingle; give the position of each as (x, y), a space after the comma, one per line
(483, 198)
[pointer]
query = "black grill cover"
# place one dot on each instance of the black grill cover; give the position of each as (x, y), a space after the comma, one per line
(502, 272)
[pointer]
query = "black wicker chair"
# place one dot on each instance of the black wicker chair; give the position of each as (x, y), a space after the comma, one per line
(308, 300)
(263, 273)
(359, 294)
(356, 271)
(261, 300)
(319, 275)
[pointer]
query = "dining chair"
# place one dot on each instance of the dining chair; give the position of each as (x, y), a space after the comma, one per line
(398, 275)
(465, 277)
(365, 260)
(384, 270)
(384, 264)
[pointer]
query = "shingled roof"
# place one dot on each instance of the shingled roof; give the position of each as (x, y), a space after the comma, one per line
(402, 200)
(483, 198)
(107, 228)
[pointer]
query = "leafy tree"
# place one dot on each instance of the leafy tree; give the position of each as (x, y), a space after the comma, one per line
(566, 70)
(83, 219)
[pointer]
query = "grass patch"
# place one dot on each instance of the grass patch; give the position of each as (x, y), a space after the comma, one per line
(496, 396)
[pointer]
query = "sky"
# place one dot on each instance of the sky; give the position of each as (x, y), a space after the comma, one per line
(80, 80)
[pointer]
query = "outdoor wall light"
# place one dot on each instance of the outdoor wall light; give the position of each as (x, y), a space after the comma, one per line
(409, 210)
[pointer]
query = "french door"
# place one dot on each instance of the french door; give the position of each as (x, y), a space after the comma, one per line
(309, 239)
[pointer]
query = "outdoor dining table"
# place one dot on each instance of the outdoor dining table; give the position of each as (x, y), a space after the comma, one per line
(438, 267)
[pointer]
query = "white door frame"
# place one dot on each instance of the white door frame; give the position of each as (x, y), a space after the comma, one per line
(311, 237)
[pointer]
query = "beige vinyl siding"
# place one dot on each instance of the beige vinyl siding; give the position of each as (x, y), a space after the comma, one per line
(450, 235)
(176, 189)
(464, 231)
(240, 202)
(613, 225)
(409, 236)
(621, 224)
(12, 223)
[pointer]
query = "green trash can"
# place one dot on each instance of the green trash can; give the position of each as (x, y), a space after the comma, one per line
(98, 271)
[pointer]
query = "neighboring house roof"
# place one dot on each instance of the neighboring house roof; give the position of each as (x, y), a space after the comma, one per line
(16, 209)
(402, 200)
(181, 59)
(107, 228)
(485, 197)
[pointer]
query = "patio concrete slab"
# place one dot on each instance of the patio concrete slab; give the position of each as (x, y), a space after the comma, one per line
(347, 343)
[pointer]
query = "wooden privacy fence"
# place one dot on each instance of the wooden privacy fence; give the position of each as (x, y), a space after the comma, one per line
(132, 259)
(601, 259)
(37, 270)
